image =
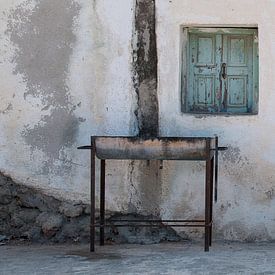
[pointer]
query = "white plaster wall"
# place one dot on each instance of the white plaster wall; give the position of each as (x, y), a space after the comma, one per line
(99, 84)
(99, 76)
(246, 205)
(104, 81)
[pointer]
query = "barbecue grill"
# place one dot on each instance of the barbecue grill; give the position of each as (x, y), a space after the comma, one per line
(160, 148)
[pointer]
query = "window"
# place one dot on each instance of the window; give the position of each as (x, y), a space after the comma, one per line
(221, 71)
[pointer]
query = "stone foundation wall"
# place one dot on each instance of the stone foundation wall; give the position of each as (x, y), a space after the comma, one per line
(28, 214)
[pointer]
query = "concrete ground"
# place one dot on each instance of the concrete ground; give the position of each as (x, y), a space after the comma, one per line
(165, 258)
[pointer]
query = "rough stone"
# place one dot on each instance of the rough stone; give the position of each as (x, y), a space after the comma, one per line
(4, 215)
(34, 216)
(5, 228)
(2, 238)
(28, 215)
(75, 230)
(50, 223)
(84, 223)
(16, 220)
(71, 210)
(6, 191)
(140, 235)
(70, 231)
(87, 210)
(5, 199)
(34, 199)
(33, 234)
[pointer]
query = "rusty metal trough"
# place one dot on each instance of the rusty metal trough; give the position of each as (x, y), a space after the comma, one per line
(154, 148)
(160, 148)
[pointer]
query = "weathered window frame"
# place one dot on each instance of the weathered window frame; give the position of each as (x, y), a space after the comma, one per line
(185, 59)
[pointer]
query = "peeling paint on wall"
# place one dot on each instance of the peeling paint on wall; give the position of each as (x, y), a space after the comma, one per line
(44, 38)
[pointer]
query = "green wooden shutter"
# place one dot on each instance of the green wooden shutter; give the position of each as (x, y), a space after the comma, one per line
(221, 71)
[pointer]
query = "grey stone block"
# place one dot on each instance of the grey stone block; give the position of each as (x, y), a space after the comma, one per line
(71, 210)
(50, 223)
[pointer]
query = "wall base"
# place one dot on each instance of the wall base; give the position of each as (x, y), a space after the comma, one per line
(28, 214)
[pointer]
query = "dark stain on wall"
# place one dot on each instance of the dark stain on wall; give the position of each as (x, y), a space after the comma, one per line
(145, 68)
(44, 39)
(145, 83)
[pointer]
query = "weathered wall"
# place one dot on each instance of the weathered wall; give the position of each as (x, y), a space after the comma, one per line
(66, 74)
(73, 68)
(245, 210)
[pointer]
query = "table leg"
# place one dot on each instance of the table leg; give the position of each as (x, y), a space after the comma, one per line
(102, 200)
(92, 222)
(211, 199)
(207, 204)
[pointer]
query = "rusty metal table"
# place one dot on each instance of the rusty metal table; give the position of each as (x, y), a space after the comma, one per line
(160, 148)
